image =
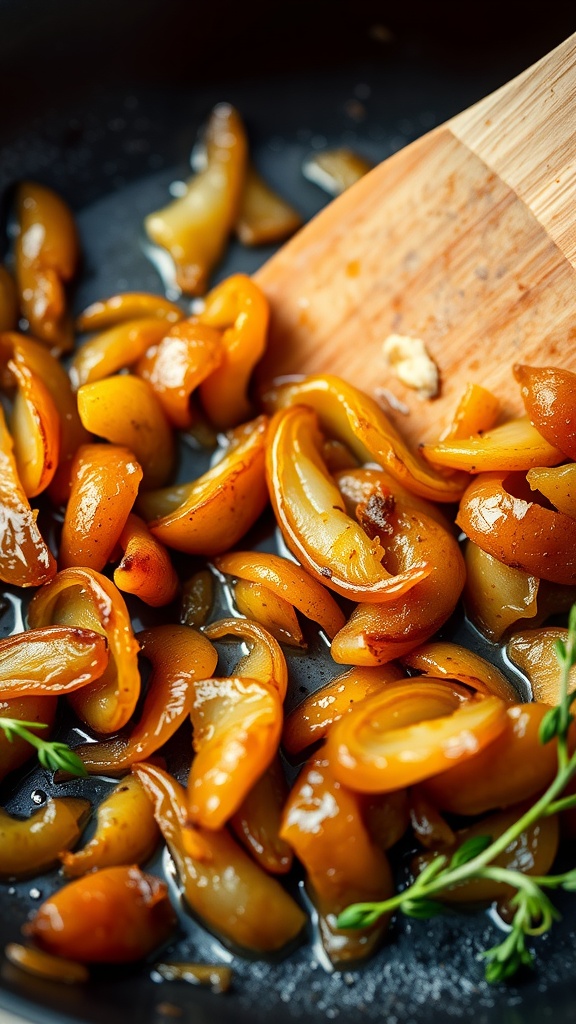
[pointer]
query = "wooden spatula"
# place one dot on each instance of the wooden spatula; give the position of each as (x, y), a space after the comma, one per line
(465, 239)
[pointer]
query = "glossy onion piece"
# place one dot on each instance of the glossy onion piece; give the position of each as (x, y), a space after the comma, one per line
(377, 633)
(31, 846)
(257, 821)
(216, 976)
(125, 411)
(46, 256)
(310, 513)
(357, 484)
(237, 723)
(43, 965)
(351, 416)
(115, 349)
(231, 894)
(533, 852)
(83, 597)
(14, 753)
(274, 613)
(411, 731)
(533, 652)
(265, 660)
(116, 915)
(50, 660)
(441, 658)
(104, 485)
(496, 595)
(24, 351)
(118, 309)
(146, 569)
(310, 720)
(288, 581)
(179, 656)
(8, 301)
(195, 228)
(477, 412)
(212, 513)
(197, 598)
(430, 828)
(387, 816)
(35, 427)
(323, 824)
(182, 359)
(25, 559)
(335, 170)
(126, 832)
(264, 216)
(558, 484)
(519, 533)
(514, 767)
(549, 396)
(515, 445)
(239, 308)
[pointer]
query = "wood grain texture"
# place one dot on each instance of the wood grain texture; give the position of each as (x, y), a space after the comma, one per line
(466, 239)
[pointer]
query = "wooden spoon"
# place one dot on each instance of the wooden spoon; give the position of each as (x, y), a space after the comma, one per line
(466, 239)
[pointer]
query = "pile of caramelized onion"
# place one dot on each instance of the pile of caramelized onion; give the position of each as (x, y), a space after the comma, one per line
(414, 742)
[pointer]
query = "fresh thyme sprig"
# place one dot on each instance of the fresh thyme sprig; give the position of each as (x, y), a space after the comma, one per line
(52, 754)
(534, 913)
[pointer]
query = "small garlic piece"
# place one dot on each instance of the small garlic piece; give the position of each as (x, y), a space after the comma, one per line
(412, 364)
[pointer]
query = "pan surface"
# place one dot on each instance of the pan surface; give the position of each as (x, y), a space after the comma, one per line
(104, 105)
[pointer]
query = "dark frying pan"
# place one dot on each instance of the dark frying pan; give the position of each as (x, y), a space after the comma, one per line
(103, 101)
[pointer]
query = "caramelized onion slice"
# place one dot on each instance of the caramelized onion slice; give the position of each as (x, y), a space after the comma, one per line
(83, 597)
(118, 309)
(264, 216)
(50, 660)
(30, 846)
(519, 533)
(104, 481)
(323, 824)
(217, 876)
(195, 228)
(514, 767)
(265, 660)
(496, 595)
(410, 732)
(124, 410)
(377, 633)
(533, 852)
(351, 416)
(310, 513)
(310, 720)
(115, 349)
(287, 580)
(549, 396)
(441, 658)
(35, 425)
(513, 446)
(533, 652)
(25, 558)
(115, 915)
(212, 513)
(146, 569)
(44, 965)
(179, 656)
(46, 257)
(126, 832)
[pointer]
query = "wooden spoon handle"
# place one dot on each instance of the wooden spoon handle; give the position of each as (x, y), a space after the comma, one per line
(466, 239)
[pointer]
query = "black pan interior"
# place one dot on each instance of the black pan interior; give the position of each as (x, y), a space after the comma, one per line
(103, 101)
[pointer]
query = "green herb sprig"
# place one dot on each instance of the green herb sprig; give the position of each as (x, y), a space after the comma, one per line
(534, 913)
(52, 754)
